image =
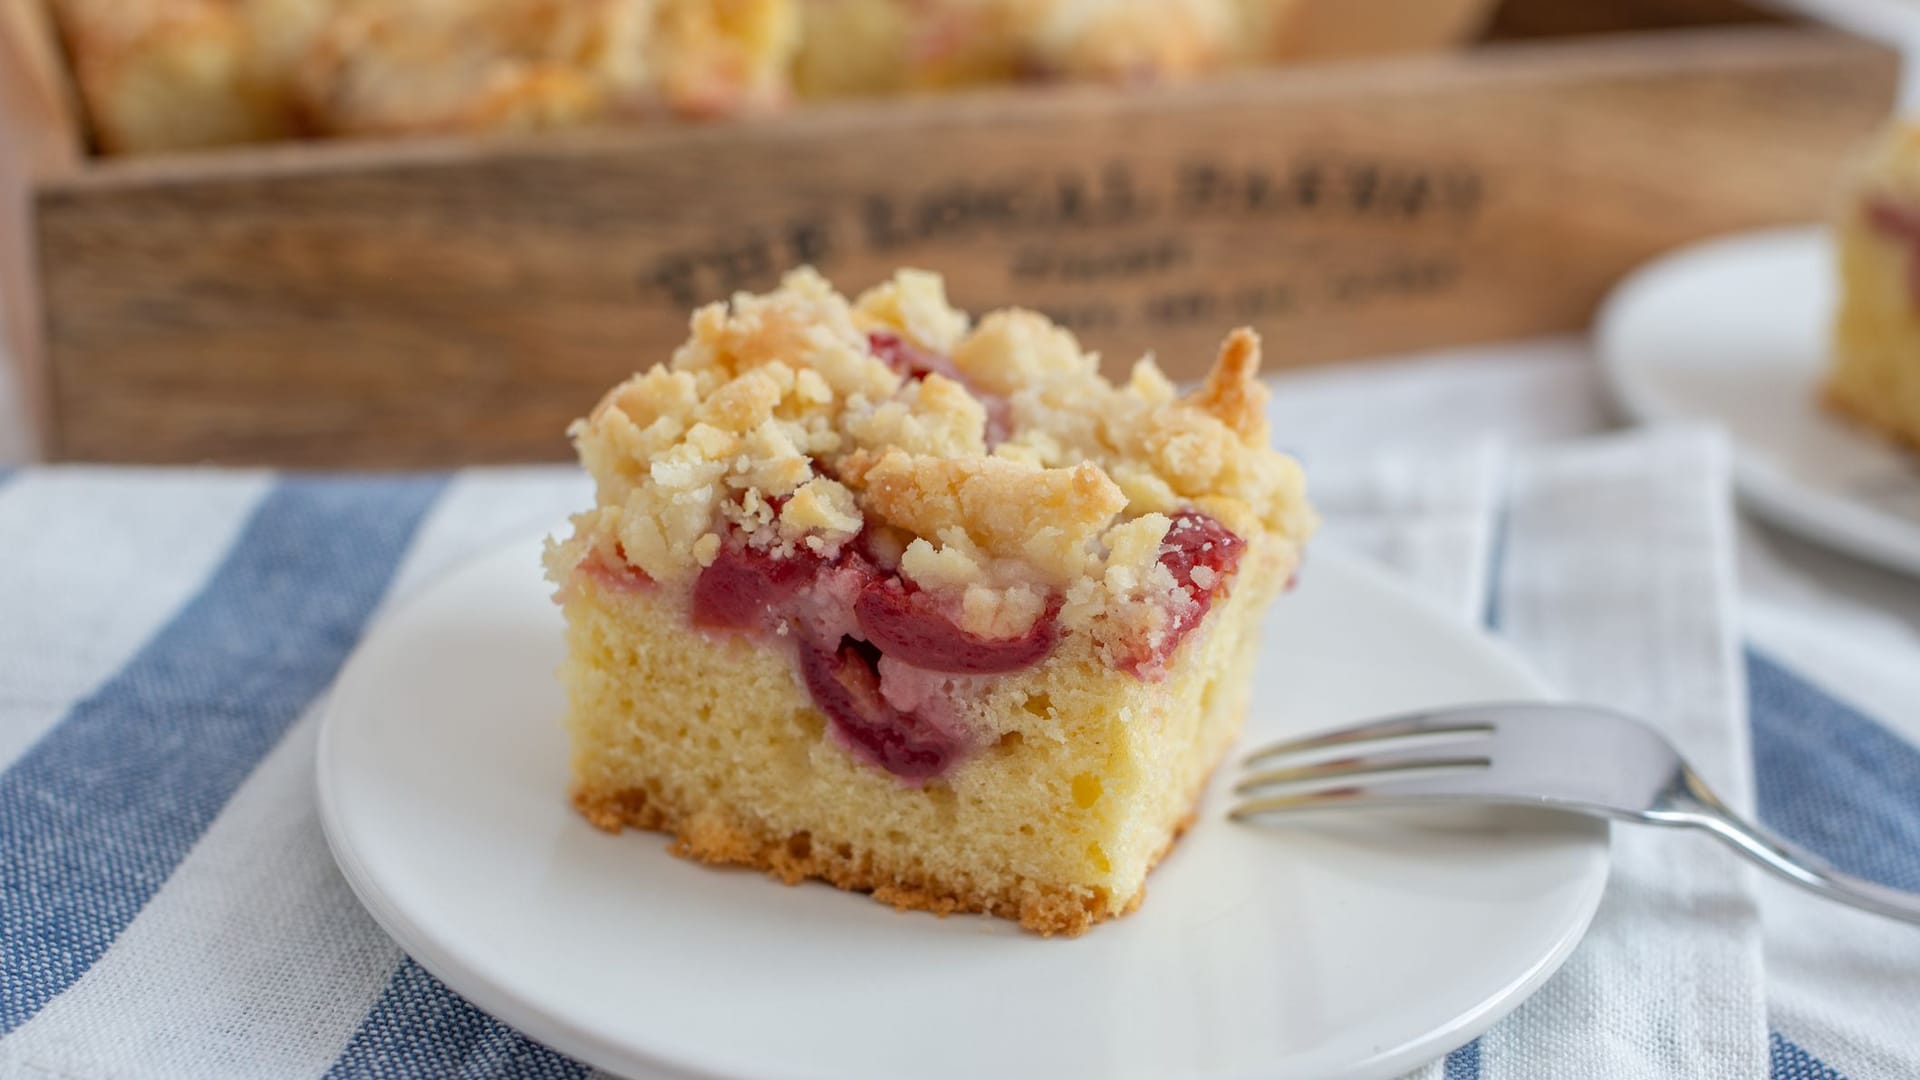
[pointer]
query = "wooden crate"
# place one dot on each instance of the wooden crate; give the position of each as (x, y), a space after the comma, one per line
(459, 300)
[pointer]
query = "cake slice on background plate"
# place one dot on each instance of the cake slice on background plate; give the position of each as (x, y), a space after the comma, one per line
(927, 608)
(1874, 377)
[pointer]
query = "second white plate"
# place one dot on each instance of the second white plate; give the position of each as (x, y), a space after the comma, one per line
(1348, 945)
(1733, 332)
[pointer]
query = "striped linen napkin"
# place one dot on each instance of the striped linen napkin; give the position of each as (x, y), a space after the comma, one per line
(168, 907)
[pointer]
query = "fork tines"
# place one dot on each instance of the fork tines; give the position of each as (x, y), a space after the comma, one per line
(1377, 753)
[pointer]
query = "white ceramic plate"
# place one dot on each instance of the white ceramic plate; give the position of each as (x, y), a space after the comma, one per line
(1733, 332)
(1351, 945)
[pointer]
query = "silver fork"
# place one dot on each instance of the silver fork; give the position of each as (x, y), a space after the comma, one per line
(1569, 757)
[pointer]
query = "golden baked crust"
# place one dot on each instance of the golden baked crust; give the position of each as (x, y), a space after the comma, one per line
(719, 840)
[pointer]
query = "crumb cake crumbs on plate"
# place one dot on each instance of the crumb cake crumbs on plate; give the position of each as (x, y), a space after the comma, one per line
(876, 594)
(1874, 376)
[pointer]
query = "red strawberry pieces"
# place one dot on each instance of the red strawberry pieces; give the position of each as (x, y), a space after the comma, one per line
(845, 684)
(745, 588)
(1201, 554)
(909, 626)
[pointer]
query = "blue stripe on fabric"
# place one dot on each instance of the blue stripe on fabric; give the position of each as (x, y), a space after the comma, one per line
(1490, 613)
(97, 814)
(1790, 1062)
(1832, 778)
(1464, 1063)
(421, 1028)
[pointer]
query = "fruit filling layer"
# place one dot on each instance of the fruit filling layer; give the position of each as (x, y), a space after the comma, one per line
(883, 657)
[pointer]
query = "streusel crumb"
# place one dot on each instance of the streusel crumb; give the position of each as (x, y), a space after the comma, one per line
(990, 455)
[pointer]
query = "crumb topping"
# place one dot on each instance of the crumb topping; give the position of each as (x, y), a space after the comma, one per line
(989, 461)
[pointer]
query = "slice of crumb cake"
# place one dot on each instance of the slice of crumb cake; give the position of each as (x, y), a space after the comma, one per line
(928, 608)
(1874, 377)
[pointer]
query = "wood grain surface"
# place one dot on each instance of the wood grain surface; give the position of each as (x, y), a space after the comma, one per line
(459, 301)
(39, 140)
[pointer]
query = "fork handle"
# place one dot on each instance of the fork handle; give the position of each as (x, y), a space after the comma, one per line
(1690, 802)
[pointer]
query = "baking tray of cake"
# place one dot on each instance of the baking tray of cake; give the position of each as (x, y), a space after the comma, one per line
(456, 299)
